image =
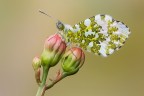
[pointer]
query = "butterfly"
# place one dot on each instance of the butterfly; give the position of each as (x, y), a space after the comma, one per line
(100, 34)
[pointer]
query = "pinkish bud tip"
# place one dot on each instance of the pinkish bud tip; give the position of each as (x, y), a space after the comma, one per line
(53, 42)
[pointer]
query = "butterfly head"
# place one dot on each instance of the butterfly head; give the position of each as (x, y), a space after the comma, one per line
(60, 25)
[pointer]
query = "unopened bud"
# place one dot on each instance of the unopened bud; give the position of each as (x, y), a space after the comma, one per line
(37, 66)
(54, 48)
(36, 63)
(73, 60)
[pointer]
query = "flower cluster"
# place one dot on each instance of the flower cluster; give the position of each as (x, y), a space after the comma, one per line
(53, 52)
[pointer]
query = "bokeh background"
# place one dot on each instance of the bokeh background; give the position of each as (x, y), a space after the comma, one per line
(23, 31)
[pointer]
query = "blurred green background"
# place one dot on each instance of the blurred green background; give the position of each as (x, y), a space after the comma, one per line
(23, 31)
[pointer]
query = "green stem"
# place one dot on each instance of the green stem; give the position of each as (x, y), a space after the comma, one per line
(41, 88)
(56, 81)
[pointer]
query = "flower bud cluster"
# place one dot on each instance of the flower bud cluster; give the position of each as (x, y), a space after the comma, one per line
(54, 51)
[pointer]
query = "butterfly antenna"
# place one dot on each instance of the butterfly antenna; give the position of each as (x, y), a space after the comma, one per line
(49, 15)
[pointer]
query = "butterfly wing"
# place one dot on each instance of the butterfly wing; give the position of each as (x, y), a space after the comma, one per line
(100, 34)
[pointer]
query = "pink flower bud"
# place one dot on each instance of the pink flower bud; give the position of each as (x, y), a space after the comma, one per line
(37, 66)
(54, 48)
(73, 60)
(36, 63)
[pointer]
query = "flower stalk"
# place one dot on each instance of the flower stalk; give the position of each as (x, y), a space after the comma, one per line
(41, 89)
(62, 76)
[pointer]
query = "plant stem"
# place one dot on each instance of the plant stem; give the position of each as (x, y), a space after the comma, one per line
(41, 88)
(56, 81)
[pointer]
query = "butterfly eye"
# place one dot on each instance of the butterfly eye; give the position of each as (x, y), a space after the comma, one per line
(60, 25)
